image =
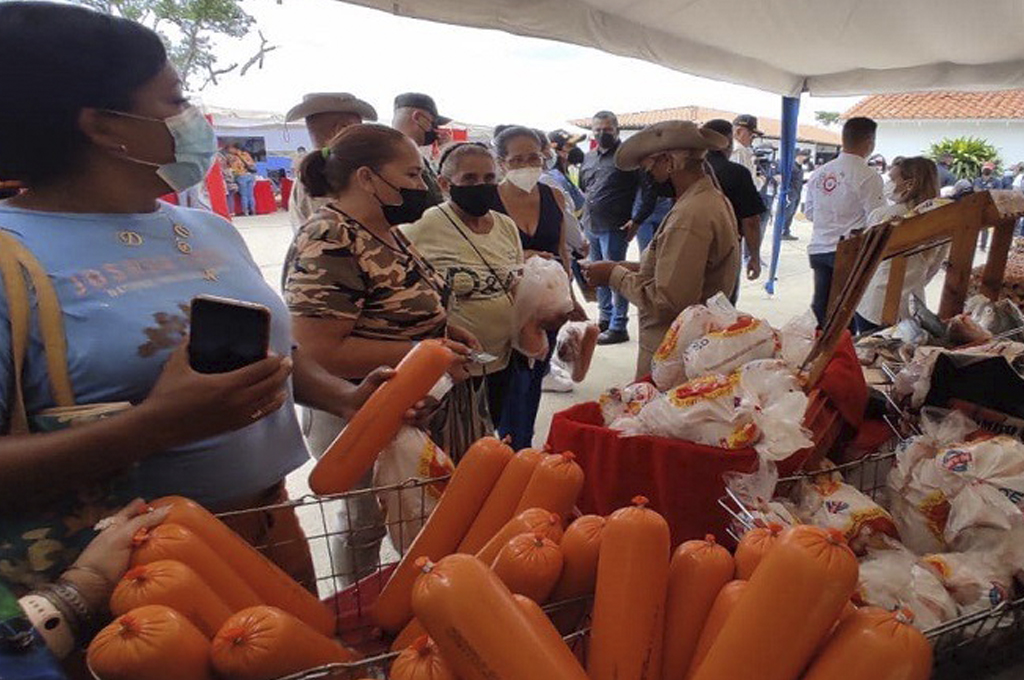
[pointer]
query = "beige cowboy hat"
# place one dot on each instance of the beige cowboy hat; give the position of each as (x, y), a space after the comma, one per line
(671, 135)
(331, 102)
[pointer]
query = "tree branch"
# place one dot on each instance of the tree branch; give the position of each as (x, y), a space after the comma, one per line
(258, 57)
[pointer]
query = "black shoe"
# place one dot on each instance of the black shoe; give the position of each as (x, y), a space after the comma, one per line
(789, 237)
(610, 337)
(603, 326)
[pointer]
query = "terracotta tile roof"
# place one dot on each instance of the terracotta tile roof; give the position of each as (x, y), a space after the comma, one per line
(948, 104)
(772, 127)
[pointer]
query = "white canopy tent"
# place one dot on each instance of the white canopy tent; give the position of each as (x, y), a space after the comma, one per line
(822, 47)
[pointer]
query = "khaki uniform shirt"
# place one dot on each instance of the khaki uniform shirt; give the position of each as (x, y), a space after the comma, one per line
(302, 206)
(694, 255)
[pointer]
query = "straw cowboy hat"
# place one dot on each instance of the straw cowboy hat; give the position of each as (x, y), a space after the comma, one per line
(671, 135)
(331, 102)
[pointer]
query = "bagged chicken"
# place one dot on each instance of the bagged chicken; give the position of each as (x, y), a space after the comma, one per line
(543, 302)
(410, 457)
(827, 501)
(626, 401)
(797, 337)
(574, 348)
(725, 350)
(892, 579)
(694, 322)
(756, 491)
(704, 411)
(772, 396)
(975, 580)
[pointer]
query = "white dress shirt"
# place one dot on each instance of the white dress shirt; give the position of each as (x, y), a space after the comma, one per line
(843, 193)
(744, 155)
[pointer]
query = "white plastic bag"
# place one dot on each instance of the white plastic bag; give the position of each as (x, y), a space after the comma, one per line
(543, 302)
(797, 338)
(827, 501)
(702, 411)
(667, 368)
(410, 457)
(725, 350)
(756, 491)
(618, 402)
(975, 580)
(892, 579)
(771, 395)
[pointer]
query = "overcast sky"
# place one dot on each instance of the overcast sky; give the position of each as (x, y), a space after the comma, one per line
(477, 76)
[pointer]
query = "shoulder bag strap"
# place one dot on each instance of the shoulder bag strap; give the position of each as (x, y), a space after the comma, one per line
(464, 235)
(17, 307)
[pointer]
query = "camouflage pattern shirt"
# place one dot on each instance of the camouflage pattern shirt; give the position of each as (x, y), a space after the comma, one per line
(337, 269)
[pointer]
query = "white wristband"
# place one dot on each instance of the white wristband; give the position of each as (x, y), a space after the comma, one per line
(50, 623)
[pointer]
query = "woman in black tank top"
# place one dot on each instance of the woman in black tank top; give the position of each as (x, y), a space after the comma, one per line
(538, 211)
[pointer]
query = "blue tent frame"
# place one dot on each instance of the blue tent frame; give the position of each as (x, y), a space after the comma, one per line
(790, 112)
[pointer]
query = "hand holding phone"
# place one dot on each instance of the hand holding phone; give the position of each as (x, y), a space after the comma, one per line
(227, 334)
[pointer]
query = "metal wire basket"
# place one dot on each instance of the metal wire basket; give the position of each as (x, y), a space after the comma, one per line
(963, 643)
(353, 551)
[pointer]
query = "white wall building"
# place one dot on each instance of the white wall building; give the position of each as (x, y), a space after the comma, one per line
(909, 123)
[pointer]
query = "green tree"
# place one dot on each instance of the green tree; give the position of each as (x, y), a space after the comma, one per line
(188, 28)
(827, 118)
(968, 153)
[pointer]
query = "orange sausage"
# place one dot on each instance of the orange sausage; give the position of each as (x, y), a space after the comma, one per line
(413, 630)
(530, 565)
(501, 503)
(873, 644)
(467, 490)
(581, 546)
(270, 582)
(174, 585)
(698, 571)
(481, 630)
(552, 639)
(727, 598)
(265, 643)
(588, 343)
(170, 541)
(629, 600)
(555, 485)
(349, 456)
(753, 547)
(528, 521)
(421, 661)
(152, 642)
(795, 595)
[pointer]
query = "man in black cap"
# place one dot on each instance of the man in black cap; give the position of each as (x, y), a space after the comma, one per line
(744, 131)
(417, 118)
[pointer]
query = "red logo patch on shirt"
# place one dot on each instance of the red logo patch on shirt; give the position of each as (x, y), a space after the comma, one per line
(829, 183)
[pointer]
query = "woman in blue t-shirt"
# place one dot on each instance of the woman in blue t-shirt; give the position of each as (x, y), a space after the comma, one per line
(95, 125)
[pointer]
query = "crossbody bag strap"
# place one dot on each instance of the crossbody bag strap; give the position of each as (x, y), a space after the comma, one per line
(483, 259)
(18, 311)
(51, 321)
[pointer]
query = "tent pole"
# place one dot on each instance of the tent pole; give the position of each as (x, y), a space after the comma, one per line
(787, 147)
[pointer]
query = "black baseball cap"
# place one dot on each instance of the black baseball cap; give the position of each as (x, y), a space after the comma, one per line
(561, 138)
(424, 102)
(748, 121)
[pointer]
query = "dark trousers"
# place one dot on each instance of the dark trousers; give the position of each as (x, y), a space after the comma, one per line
(823, 265)
(865, 326)
(794, 203)
(522, 396)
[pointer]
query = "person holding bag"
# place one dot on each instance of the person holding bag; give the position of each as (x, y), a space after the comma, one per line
(97, 280)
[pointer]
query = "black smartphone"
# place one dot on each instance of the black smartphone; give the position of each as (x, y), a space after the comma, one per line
(227, 334)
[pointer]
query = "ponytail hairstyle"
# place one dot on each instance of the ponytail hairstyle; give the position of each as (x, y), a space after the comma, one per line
(328, 171)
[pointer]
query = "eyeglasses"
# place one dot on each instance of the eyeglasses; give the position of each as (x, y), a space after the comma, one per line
(530, 160)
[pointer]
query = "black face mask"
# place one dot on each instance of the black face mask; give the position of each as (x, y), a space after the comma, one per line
(607, 140)
(429, 137)
(414, 203)
(664, 189)
(475, 199)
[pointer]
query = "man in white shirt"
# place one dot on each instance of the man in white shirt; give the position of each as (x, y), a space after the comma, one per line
(745, 130)
(326, 114)
(840, 197)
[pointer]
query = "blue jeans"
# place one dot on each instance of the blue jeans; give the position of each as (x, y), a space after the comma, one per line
(645, 234)
(522, 396)
(247, 191)
(610, 245)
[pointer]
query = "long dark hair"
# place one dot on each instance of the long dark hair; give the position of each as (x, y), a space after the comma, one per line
(328, 171)
(57, 60)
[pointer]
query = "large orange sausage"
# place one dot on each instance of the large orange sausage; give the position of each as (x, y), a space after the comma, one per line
(412, 631)
(530, 565)
(727, 598)
(874, 644)
(174, 585)
(629, 600)
(421, 661)
(543, 624)
(348, 458)
(588, 343)
(170, 541)
(752, 548)
(528, 521)
(264, 643)
(698, 571)
(467, 490)
(152, 642)
(270, 582)
(795, 595)
(581, 546)
(481, 630)
(555, 485)
(501, 503)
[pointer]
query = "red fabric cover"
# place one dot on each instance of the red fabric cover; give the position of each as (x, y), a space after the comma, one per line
(264, 194)
(843, 382)
(683, 480)
(286, 192)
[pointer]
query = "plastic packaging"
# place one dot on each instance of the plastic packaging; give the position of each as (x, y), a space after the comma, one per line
(726, 350)
(827, 501)
(574, 348)
(702, 411)
(771, 395)
(543, 302)
(618, 403)
(797, 337)
(410, 457)
(694, 322)
(976, 580)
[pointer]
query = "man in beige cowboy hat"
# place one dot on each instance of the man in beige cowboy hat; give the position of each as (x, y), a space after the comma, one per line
(695, 252)
(326, 114)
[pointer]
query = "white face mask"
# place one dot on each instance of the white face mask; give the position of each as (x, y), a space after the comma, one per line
(524, 178)
(195, 148)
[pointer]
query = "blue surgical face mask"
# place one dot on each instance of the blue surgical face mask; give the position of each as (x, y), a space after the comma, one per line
(195, 148)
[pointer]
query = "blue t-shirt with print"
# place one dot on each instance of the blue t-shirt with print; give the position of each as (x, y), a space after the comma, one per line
(125, 288)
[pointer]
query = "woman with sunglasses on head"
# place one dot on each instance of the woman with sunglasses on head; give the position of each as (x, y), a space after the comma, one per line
(96, 127)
